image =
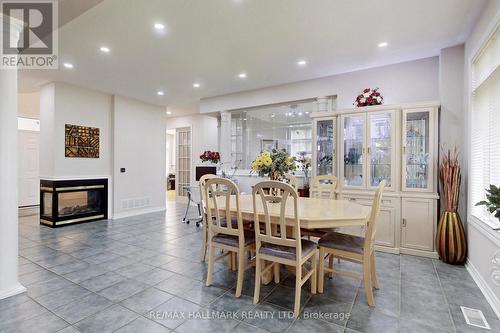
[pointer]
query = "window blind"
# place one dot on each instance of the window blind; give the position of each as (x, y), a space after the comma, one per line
(485, 124)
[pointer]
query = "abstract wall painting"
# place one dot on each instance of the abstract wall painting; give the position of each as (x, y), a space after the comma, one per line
(81, 141)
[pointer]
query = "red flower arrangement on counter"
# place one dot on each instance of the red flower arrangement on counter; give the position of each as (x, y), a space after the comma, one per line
(210, 156)
(369, 97)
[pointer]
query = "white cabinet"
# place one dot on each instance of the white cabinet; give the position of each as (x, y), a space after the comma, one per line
(396, 143)
(325, 146)
(418, 223)
(368, 149)
(419, 150)
(386, 234)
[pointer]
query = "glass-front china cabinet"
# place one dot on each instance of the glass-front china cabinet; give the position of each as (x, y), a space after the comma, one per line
(395, 143)
(324, 148)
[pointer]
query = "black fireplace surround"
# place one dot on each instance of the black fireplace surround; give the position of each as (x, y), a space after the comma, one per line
(64, 202)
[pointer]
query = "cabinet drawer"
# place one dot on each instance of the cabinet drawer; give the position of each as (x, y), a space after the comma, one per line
(368, 201)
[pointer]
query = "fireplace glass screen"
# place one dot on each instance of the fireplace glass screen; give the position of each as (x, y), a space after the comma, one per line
(82, 202)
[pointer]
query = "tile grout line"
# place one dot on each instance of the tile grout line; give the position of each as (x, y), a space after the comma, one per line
(445, 296)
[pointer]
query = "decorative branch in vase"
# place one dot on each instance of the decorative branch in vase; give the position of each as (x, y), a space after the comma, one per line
(451, 243)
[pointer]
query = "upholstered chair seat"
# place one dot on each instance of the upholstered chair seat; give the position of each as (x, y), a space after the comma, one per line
(342, 242)
(287, 252)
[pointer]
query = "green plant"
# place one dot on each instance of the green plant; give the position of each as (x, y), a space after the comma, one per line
(492, 201)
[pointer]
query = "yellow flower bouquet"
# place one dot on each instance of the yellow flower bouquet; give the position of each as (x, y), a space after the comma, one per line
(273, 164)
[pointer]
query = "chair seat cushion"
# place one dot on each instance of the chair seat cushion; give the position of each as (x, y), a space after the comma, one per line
(287, 252)
(234, 222)
(231, 240)
(343, 242)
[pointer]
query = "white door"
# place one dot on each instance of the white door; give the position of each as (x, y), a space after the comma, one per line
(28, 168)
(183, 165)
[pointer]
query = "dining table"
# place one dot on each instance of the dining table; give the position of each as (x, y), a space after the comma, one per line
(314, 213)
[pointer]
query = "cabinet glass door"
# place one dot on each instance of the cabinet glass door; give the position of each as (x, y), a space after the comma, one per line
(417, 133)
(354, 130)
(325, 147)
(380, 148)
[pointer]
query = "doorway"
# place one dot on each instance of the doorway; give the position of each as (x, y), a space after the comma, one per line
(28, 162)
(171, 162)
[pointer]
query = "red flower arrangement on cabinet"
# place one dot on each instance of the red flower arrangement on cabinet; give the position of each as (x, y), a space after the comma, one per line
(369, 97)
(210, 156)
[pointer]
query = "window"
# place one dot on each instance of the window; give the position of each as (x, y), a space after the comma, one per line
(485, 125)
(286, 126)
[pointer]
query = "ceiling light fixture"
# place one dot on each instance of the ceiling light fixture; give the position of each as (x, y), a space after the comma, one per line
(383, 44)
(242, 75)
(169, 113)
(160, 93)
(68, 65)
(105, 49)
(196, 85)
(301, 62)
(159, 26)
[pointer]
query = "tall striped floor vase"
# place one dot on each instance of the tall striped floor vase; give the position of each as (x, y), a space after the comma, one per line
(451, 243)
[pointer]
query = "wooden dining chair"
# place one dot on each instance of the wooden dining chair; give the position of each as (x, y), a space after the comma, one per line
(226, 232)
(355, 249)
(278, 248)
(292, 180)
(203, 181)
(325, 186)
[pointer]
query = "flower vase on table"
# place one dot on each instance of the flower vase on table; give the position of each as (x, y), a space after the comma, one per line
(275, 164)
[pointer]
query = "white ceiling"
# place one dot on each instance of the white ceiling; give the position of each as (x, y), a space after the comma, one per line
(210, 42)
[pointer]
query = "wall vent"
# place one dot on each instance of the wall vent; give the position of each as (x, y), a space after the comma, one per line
(475, 317)
(134, 203)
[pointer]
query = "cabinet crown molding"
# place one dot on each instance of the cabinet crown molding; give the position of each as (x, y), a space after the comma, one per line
(371, 108)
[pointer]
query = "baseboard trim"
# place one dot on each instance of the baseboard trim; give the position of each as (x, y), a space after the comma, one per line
(19, 289)
(136, 212)
(386, 249)
(420, 253)
(483, 286)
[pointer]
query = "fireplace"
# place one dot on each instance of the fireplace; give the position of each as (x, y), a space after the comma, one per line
(65, 202)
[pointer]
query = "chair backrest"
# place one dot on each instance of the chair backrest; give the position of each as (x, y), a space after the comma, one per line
(292, 180)
(371, 229)
(203, 181)
(324, 184)
(222, 193)
(274, 196)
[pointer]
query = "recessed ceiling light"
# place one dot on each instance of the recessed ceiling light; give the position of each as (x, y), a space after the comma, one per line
(105, 49)
(160, 93)
(300, 113)
(272, 116)
(245, 119)
(242, 75)
(68, 65)
(159, 26)
(169, 113)
(307, 112)
(196, 85)
(301, 62)
(383, 44)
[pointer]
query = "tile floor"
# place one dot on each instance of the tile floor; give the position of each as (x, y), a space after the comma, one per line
(143, 274)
